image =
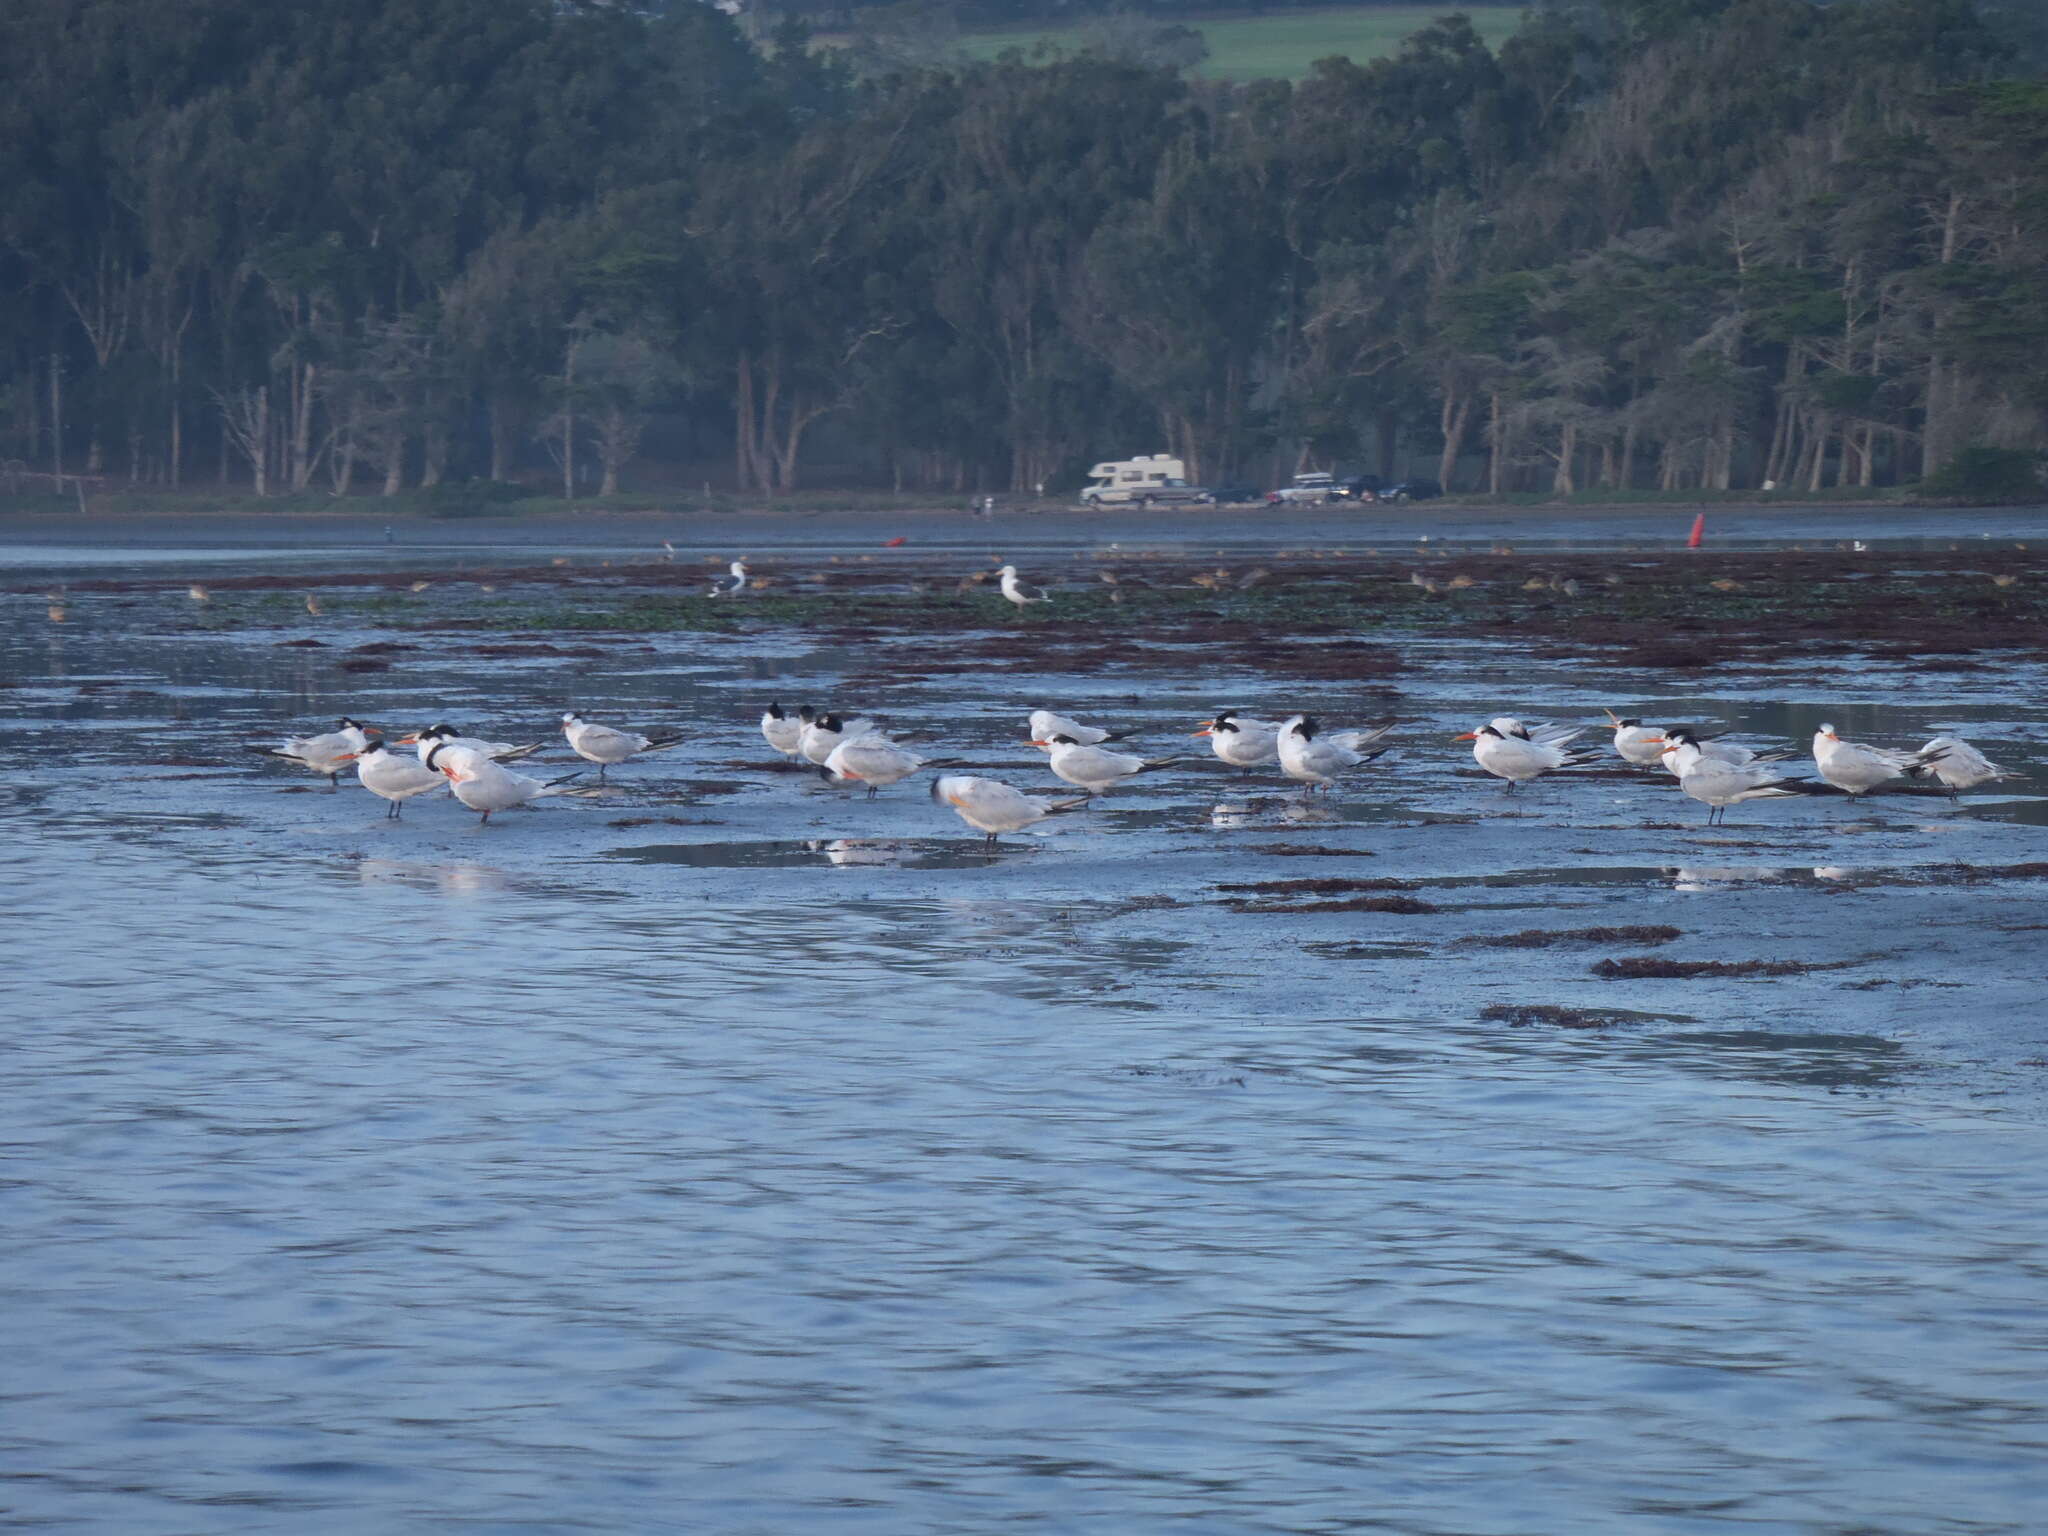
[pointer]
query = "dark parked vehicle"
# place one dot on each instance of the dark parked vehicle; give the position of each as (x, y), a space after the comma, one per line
(1235, 494)
(1416, 489)
(1361, 488)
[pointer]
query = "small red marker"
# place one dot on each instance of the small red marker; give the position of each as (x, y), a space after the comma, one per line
(1699, 531)
(895, 543)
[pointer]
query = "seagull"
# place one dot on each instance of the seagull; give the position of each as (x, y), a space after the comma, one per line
(1094, 768)
(871, 759)
(602, 745)
(990, 806)
(445, 735)
(327, 753)
(313, 605)
(198, 593)
(484, 786)
(739, 581)
(821, 733)
(1021, 592)
(1636, 742)
(1045, 725)
(1718, 784)
(1959, 765)
(1242, 742)
(1516, 754)
(1857, 769)
(1312, 757)
(391, 777)
(783, 730)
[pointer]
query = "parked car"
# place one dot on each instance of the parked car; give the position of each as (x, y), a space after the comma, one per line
(1315, 485)
(1235, 494)
(1361, 488)
(1418, 488)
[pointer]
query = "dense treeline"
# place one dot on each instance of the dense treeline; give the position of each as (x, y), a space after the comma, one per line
(1649, 243)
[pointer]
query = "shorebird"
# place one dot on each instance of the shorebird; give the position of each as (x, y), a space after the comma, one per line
(1508, 750)
(990, 806)
(602, 745)
(484, 786)
(1857, 769)
(1021, 592)
(325, 754)
(1312, 757)
(1958, 765)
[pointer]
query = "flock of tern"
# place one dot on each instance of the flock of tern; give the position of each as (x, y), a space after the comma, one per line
(1716, 772)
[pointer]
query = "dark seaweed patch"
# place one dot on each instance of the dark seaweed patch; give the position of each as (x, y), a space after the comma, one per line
(1519, 1014)
(1406, 905)
(1330, 886)
(1545, 938)
(1309, 851)
(1654, 968)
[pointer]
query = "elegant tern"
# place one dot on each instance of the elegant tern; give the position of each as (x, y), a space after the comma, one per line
(1958, 765)
(1044, 725)
(990, 806)
(1096, 770)
(821, 733)
(446, 735)
(1718, 784)
(784, 731)
(1517, 755)
(602, 745)
(395, 778)
(1312, 756)
(1637, 743)
(1729, 752)
(486, 786)
(325, 754)
(1857, 769)
(1241, 741)
(871, 759)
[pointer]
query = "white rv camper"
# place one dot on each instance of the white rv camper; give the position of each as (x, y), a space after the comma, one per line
(1148, 480)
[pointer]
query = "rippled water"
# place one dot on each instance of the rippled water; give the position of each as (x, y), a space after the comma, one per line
(795, 1166)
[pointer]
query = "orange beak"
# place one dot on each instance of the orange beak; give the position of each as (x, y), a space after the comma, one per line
(1206, 730)
(1467, 736)
(408, 741)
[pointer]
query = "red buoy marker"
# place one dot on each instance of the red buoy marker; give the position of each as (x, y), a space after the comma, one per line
(1699, 531)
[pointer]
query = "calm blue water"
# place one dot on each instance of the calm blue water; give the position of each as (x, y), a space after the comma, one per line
(367, 1179)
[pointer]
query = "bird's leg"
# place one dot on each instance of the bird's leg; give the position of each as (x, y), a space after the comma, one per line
(871, 790)
(334, 783)
(486, 821)
(600, 772)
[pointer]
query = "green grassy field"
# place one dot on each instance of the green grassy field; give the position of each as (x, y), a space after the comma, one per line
(1283, 46)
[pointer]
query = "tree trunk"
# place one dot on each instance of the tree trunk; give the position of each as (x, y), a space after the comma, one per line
(57, 418)
(1496, 447)
(1561, 483)
(1455, 418)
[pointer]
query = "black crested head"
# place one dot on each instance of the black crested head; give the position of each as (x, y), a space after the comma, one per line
(441, 732)
(1622, 725)
(350, 725)
(805, 713)
(1487, 730)
(1224, 723)
(827, 722)
(1682, 734)
(1520, 730)
(1307, 727)
(775, 710)
(1065, 741)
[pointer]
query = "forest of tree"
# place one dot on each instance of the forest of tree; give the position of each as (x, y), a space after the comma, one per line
(1650, 244)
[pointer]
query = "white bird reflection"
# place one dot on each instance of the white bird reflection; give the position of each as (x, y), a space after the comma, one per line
(465, 879)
